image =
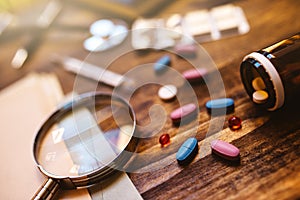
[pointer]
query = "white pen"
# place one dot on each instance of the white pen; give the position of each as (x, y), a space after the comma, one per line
(91, 71)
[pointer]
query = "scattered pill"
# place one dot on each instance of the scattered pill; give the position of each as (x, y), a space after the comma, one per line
(94, 43)
(220, 106)
(102, 28)
(119, 34)
(167, 92)
(164, 139)
(234, 123)
(187, 151)
(225, 150)
(194, 75)
(186, 50)
(260, 96)
(258, 84)
(183, 113)
(162, 64)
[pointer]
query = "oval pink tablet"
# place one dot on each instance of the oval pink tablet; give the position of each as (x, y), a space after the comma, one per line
(183, 112)
(225, 150)
(186, 50)
(193, 75)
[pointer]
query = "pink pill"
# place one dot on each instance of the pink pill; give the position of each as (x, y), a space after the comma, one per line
(183, 112)
(194, 75)
(186, 50)
(225, 150)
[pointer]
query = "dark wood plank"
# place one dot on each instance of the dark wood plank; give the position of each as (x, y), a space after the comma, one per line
(269, 159)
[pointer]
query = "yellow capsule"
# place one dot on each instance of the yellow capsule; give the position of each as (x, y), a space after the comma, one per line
(258, 84)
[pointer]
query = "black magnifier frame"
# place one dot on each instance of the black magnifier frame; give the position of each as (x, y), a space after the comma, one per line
(55, 182)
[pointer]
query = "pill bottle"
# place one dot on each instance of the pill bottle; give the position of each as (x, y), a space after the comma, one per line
(271, 76)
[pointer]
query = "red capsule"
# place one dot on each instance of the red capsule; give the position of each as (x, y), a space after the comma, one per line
(234, 123)
(164, 139)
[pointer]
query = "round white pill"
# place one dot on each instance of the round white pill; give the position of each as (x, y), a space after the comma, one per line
(94, 43)
(102, 28)
(258, 84)
(260, 96)
(167, 92)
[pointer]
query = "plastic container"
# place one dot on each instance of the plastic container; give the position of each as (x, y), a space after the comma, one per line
(275, 70)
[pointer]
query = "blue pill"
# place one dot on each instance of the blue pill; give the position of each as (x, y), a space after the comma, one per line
(220, 106)
(187, 151)
(162, 64)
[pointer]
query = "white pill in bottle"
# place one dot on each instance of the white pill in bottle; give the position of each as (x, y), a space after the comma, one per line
(271, 76)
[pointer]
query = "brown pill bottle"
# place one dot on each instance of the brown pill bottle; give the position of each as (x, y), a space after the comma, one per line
(271, 76)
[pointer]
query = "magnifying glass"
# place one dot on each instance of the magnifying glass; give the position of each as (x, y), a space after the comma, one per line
(84, 142)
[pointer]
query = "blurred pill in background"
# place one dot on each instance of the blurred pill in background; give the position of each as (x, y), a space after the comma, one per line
(167, 92)
(184, 113)
(162, 64)
(194, 75)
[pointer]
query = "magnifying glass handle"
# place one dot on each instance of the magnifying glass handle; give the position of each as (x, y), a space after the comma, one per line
(46, 191)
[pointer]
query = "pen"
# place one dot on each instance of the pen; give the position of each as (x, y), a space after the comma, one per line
(43, 22)
(91, 71)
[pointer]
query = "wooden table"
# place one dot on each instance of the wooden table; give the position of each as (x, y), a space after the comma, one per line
(269, 142)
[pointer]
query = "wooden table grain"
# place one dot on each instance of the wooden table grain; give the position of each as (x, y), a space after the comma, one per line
(269, 141)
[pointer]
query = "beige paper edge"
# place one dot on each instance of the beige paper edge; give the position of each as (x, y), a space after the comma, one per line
(24, 106)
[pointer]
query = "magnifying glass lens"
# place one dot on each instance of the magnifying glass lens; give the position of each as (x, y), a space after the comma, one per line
(85, 138)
